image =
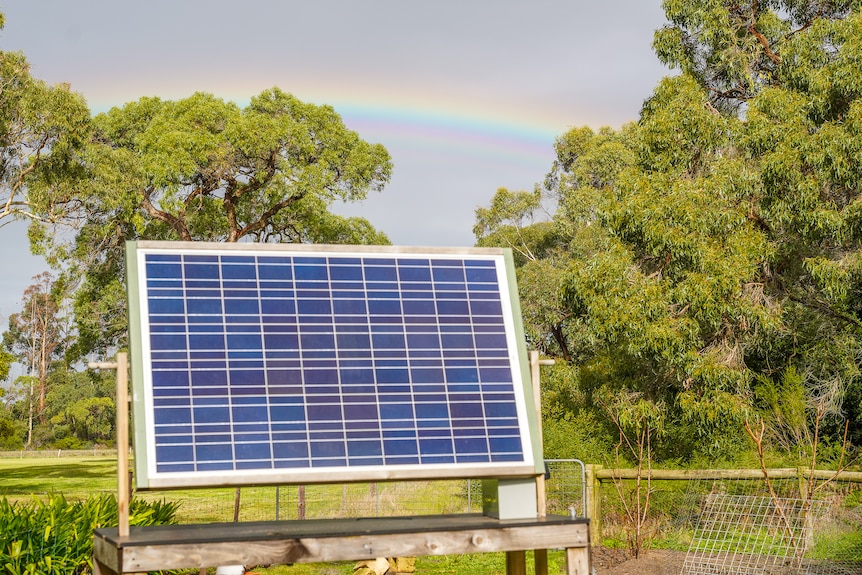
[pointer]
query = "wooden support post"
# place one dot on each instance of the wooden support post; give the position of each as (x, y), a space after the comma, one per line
(578, 561)
(541, 504)
(124, 476)
(540, 557)
(594, 502)
(300, 502)
(516, 563)
(123, 483)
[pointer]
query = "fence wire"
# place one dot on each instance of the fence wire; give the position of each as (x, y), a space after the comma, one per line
(736, 526)
(285, 502)
(564, 490)
(564, 487)
(752, 534)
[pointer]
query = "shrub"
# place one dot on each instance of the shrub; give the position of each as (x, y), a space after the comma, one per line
(55, 536)
(11, 433)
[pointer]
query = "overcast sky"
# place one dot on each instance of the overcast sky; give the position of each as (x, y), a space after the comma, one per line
(467, 95)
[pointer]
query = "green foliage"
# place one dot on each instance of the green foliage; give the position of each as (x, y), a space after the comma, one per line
(569, 428)
(55, 536)
(198, 169)
(576, 436)
(42, 128)
(90, 420)
(703, 264)
(784, 407)
(51, 400)
(6, 361)
(735, 49)
(511, 221)
(37, 335)
(11, 432)
(203, 169)
(79, 411)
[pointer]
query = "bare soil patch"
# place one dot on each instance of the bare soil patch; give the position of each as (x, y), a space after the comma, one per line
(654, 562)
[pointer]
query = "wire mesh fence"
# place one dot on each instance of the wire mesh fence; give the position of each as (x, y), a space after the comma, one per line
(58, 453)
(737, 526)
(565, 487)
(564, 491)
(284, 502)
(752, 534)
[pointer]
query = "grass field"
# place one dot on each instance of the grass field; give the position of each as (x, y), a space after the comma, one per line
(79, 477)
(76, 478)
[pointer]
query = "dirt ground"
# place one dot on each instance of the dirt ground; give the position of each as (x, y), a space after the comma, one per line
(655, 562)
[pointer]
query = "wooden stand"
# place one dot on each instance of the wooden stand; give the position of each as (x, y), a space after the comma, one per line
(141, 549)
(325, 540)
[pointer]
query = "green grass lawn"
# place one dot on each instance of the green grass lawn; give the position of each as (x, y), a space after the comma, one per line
(76, 478)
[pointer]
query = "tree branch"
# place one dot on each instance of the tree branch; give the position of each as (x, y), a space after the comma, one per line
(177, 224)
(235, 191)
(824, 307)
(263, 220)
(764, 41)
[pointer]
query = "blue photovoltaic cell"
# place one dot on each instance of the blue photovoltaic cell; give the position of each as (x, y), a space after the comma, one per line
(301, 362)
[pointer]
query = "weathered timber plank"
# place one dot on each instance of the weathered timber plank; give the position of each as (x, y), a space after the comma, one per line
(683, 474)
(354, 547)
(175, 547)
(251, 531)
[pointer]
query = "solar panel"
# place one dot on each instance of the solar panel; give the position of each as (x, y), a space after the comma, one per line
(281, 363)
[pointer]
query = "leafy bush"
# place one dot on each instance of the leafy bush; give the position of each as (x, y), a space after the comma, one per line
(11, 433)
(55, 536)
(68, 442)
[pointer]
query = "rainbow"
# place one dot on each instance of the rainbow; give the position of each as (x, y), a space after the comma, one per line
(439, 130)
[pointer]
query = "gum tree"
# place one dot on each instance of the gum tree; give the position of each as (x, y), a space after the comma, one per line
(41, 128)
(666, 297)
(714, 245)
(202, 169)
(36, 338)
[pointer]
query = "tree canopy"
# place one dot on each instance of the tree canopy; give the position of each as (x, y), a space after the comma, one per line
(204, 169)
(706, 259)
(41, 129)
(199, 169)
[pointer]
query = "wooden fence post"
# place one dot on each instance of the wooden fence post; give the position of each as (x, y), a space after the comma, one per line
(803, 483)
(594, 502)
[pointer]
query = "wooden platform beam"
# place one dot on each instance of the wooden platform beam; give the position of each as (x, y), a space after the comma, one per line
(327, 540)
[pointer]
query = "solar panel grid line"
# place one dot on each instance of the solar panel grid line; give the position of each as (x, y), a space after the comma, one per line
(347, 341)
